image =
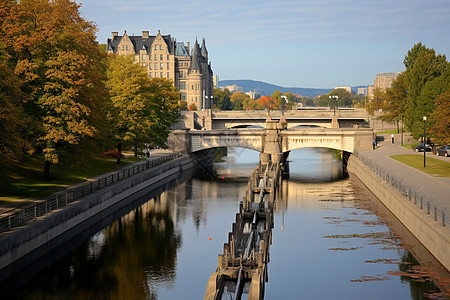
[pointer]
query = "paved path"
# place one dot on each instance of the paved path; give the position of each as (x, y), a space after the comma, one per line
(436, 189)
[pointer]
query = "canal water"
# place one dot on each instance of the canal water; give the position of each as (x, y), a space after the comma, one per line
(329, 241)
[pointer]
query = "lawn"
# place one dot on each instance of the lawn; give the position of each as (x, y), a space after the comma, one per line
(26, 181)
(394, 131)
(435, 167)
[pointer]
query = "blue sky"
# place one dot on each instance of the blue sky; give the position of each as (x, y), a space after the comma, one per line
(292, 43)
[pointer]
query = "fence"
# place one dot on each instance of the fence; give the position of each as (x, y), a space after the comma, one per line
(412, 194)
(19, 216)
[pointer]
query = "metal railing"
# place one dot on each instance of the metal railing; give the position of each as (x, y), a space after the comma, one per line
(410, 193)
(19, 216)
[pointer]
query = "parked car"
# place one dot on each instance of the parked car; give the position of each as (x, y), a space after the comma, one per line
(444, 150)
(428, 147)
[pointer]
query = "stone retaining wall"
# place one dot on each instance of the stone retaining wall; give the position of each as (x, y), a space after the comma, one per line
(429, 232)
(22, 241)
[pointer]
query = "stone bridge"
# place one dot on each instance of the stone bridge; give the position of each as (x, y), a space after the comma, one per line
(317, 117)
(273, 139)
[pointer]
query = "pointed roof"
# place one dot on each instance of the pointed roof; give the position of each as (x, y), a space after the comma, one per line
(196, 52)
(204, 50)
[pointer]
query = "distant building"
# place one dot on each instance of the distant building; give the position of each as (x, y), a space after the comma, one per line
(215, 81)
(164, 57)
(234, 88)
(363, 91)
(253, 95)
(383, 81)
(347, 88)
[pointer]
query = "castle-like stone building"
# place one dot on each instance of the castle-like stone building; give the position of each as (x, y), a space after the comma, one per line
(164, 57)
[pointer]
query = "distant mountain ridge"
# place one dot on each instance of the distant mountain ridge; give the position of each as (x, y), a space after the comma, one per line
(265, 88)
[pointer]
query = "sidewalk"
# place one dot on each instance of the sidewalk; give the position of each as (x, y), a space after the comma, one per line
(9, 207)
(436, 189)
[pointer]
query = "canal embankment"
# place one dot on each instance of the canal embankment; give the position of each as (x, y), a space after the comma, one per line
(419, 201)
(95, 198)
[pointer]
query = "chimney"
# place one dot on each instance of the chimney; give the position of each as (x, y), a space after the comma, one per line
(113, 34)
(189, 48)
(145, 34)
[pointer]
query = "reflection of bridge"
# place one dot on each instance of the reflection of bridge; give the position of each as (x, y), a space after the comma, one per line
(211, 120)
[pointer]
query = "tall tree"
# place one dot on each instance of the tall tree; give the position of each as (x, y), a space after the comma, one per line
(141, 109)
(395, 107)
(441, 127)
(60, 65)
(222, 99)
(426, 67)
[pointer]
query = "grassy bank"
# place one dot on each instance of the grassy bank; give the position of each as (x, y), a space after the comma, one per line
(25, 181)
(435, 167)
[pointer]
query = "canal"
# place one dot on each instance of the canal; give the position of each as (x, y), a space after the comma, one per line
(331, 240)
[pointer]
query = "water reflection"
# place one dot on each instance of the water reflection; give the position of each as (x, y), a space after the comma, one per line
(328, 243)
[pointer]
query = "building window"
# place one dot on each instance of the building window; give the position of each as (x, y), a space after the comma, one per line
(160, 48)
(160, 57)
(167, 57)
(192, 87)
(123, 47)
(161, 75)
(181, 74)
(183, 96)
(150, 74)
(156, 57)
(128, 47)
(156, 47)
(149, 66)
(168, 66)
(161, 66)
(156, 66)
(168, 75)
(182, 85)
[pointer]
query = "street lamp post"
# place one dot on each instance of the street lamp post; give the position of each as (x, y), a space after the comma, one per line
(424, 140)
(335, 97)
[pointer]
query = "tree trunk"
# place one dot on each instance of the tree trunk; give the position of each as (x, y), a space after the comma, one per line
(46, 174)
(119, 152)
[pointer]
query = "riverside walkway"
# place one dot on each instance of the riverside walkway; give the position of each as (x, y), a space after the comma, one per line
(432, 188)
(17, 213)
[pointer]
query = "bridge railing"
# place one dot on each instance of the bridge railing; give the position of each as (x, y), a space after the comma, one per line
(410, 193)
(20, 216)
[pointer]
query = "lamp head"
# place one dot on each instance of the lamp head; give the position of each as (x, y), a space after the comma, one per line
(424, 118)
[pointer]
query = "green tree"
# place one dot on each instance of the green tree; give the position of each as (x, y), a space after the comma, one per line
(10, 114)
(141, 110)
(222, 99)
(441, 127)
(395, 107)
(422, 93)
(239, 100)
(377, 102)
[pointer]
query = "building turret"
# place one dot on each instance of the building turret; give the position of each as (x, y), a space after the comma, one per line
(204, 51)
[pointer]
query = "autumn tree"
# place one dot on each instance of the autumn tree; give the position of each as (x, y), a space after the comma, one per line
(141, 109)
(61, 70)
(239, 100)
(441, 127)
(395, 107)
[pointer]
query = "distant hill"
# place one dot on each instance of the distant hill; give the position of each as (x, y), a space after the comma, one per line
(264, 88)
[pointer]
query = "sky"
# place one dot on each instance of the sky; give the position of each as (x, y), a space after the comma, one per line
(291, 43)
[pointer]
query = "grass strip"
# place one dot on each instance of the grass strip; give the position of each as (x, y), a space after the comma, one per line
(26, 181)
(434, 167)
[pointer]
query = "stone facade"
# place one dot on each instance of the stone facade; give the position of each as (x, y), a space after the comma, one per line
(164, 57)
